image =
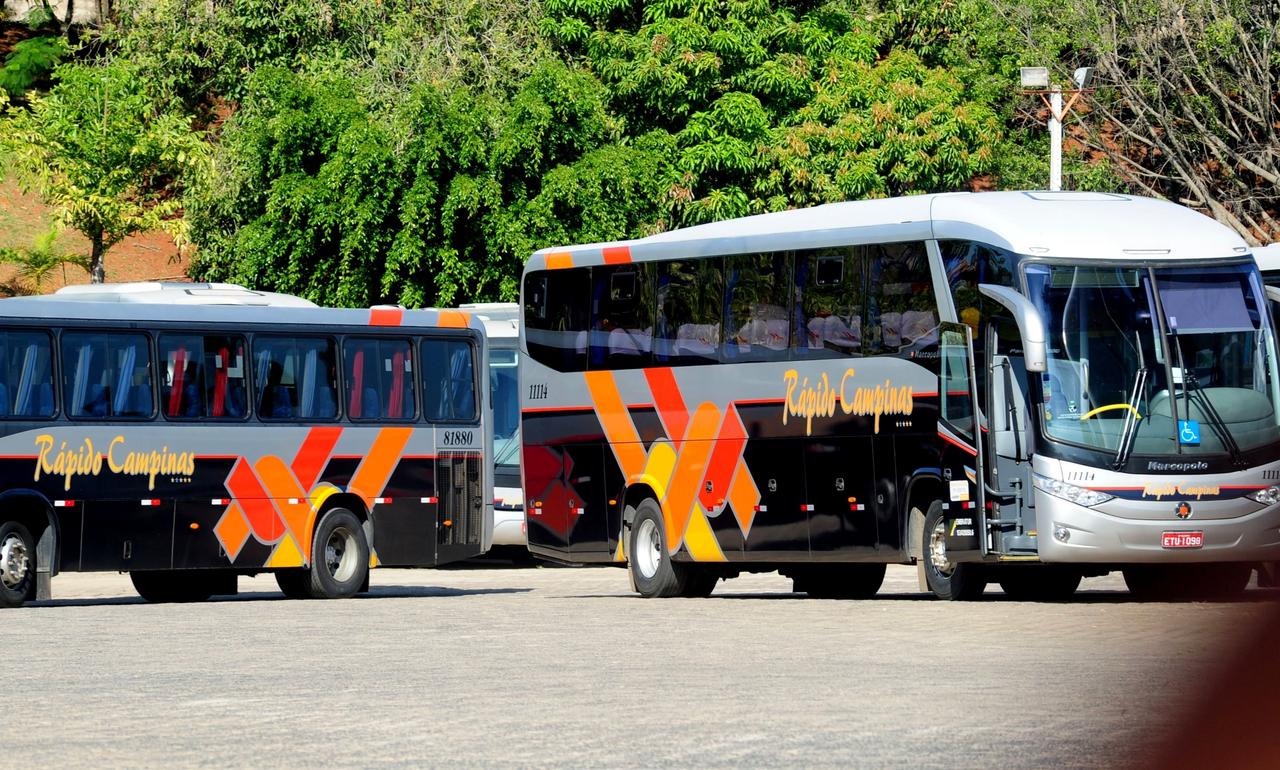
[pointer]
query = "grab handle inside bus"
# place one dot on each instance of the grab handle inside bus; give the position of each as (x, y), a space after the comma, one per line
(1030, 325)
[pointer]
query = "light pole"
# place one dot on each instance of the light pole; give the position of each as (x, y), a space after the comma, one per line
(1035, 80)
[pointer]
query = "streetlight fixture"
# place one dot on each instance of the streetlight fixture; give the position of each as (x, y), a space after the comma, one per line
(1035, 80)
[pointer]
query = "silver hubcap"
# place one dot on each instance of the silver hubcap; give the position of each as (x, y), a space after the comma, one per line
(648, 553)
(938, 549)
(14, 562)
(340, 554)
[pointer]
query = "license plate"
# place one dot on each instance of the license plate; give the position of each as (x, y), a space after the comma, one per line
(1182, 540)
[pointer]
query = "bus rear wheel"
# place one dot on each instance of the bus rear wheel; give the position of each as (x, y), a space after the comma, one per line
(339, 561)
(653, 572)
(1040, 583)
(946, 579)
(17, 564)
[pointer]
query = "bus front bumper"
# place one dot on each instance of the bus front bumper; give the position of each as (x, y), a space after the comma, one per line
(509, 526)
(1092, 536)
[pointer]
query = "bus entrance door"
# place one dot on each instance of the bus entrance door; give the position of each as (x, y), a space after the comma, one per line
(962, 467)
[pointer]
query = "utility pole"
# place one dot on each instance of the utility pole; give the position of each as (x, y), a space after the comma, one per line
(1035, 80)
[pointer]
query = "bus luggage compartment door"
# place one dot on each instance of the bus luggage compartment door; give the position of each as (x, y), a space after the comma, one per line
(126, 535)
(840, 485)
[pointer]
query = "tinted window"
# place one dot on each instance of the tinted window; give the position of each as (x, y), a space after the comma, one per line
(689, 298)
(379, 379)
(448, 380)
(26, 374)
(831, 288)
(968, 264)
(296, 378)
(902, 312)
(758, 305)
(203, 377)
(106, 374)
(556, 306)
(621, 316)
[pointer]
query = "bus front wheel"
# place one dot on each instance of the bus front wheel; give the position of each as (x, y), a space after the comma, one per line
(947, 579)
(17, 564)
(653, 572)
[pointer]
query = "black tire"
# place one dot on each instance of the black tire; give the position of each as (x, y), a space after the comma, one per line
(294, 583)
(1040, 583)
(840, 581)
(653, 573)
(1190, 582)
(699, 583)
(947, 581)
(339, 557)
(17, 564)
(169, 586)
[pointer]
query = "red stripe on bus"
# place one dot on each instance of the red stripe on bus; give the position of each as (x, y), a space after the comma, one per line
(954, 442)
(385, 316)
(536, 409)
(617, 255)
(671, 407)
(310, 460)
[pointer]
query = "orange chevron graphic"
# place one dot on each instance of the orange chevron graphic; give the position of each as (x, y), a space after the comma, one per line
(700, 450)
(276, 503)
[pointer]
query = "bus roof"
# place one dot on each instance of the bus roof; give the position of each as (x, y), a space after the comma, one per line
(501, 319)
(55, 307)
(1268, 257)
(179, 293)
(1072, 225)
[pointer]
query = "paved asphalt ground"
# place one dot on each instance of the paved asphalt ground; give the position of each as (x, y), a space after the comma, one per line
(525, 667)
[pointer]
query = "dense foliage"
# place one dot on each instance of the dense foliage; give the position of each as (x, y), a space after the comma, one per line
(416, 151)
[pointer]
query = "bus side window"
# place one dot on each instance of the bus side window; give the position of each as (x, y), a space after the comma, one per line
(830, 299)
(758, 313)
(379, 382)
(556, 317)
(621, 316)
(107, 374)
(182, 381)
(448, 380)
(689, 313)
(298, 378)
(902, 308)
(26, 389)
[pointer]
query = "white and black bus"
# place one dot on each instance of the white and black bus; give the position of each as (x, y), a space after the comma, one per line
(1018, 387)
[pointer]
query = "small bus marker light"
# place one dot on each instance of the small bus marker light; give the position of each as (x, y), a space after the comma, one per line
(194, 525)
(64, 503)
(429, 500)
(151, 503)
(220, 501)
(381, 500)
(448, 522)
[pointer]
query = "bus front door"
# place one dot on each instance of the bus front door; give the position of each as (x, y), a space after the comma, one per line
(962, 457)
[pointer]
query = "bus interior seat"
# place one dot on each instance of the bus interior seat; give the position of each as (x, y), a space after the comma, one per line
(325, 405)
(281, 402)
(370, 404)
(43, 400)
(139, 401)
(234, 403)
(4, 400)
(96, 402)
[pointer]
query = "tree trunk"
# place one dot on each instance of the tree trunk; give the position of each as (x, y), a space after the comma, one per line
(97, 265)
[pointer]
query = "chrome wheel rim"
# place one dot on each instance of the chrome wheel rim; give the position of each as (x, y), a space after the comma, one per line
(340, 554)
(938, 559)
(14, 561)
(648, 549)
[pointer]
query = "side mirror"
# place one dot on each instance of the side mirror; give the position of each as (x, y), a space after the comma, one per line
(1030, 326)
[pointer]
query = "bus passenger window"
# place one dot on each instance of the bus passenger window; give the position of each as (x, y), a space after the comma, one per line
(297, 378)
(106, 374)
(829, 284)
(901, 308)
(448, 380)
(203, 377)
(26, 374)
(689, 299)
(555, 315)
(621, 316)
(379, 383)
(758, 307)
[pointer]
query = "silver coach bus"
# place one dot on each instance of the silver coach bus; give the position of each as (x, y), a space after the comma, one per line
(1019, 387)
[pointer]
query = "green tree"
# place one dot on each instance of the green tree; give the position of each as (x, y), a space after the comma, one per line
(102, 156)
(38, 262)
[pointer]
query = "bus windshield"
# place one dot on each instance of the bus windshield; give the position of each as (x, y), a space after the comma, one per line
(506, 407)
(1112, 359)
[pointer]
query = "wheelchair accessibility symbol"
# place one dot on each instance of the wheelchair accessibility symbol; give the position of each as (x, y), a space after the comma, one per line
(1189, 432)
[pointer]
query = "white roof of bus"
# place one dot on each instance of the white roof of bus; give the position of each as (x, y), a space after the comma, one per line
(179, 293)
(501, 319)
(1268, 257)
(1052, 224)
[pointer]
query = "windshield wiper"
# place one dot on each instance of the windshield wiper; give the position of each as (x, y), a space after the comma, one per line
(508, 452)
(1207, 408)
(1131, 418)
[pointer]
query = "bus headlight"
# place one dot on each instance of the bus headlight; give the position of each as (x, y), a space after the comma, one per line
(1069, 492)
(1268, 496)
